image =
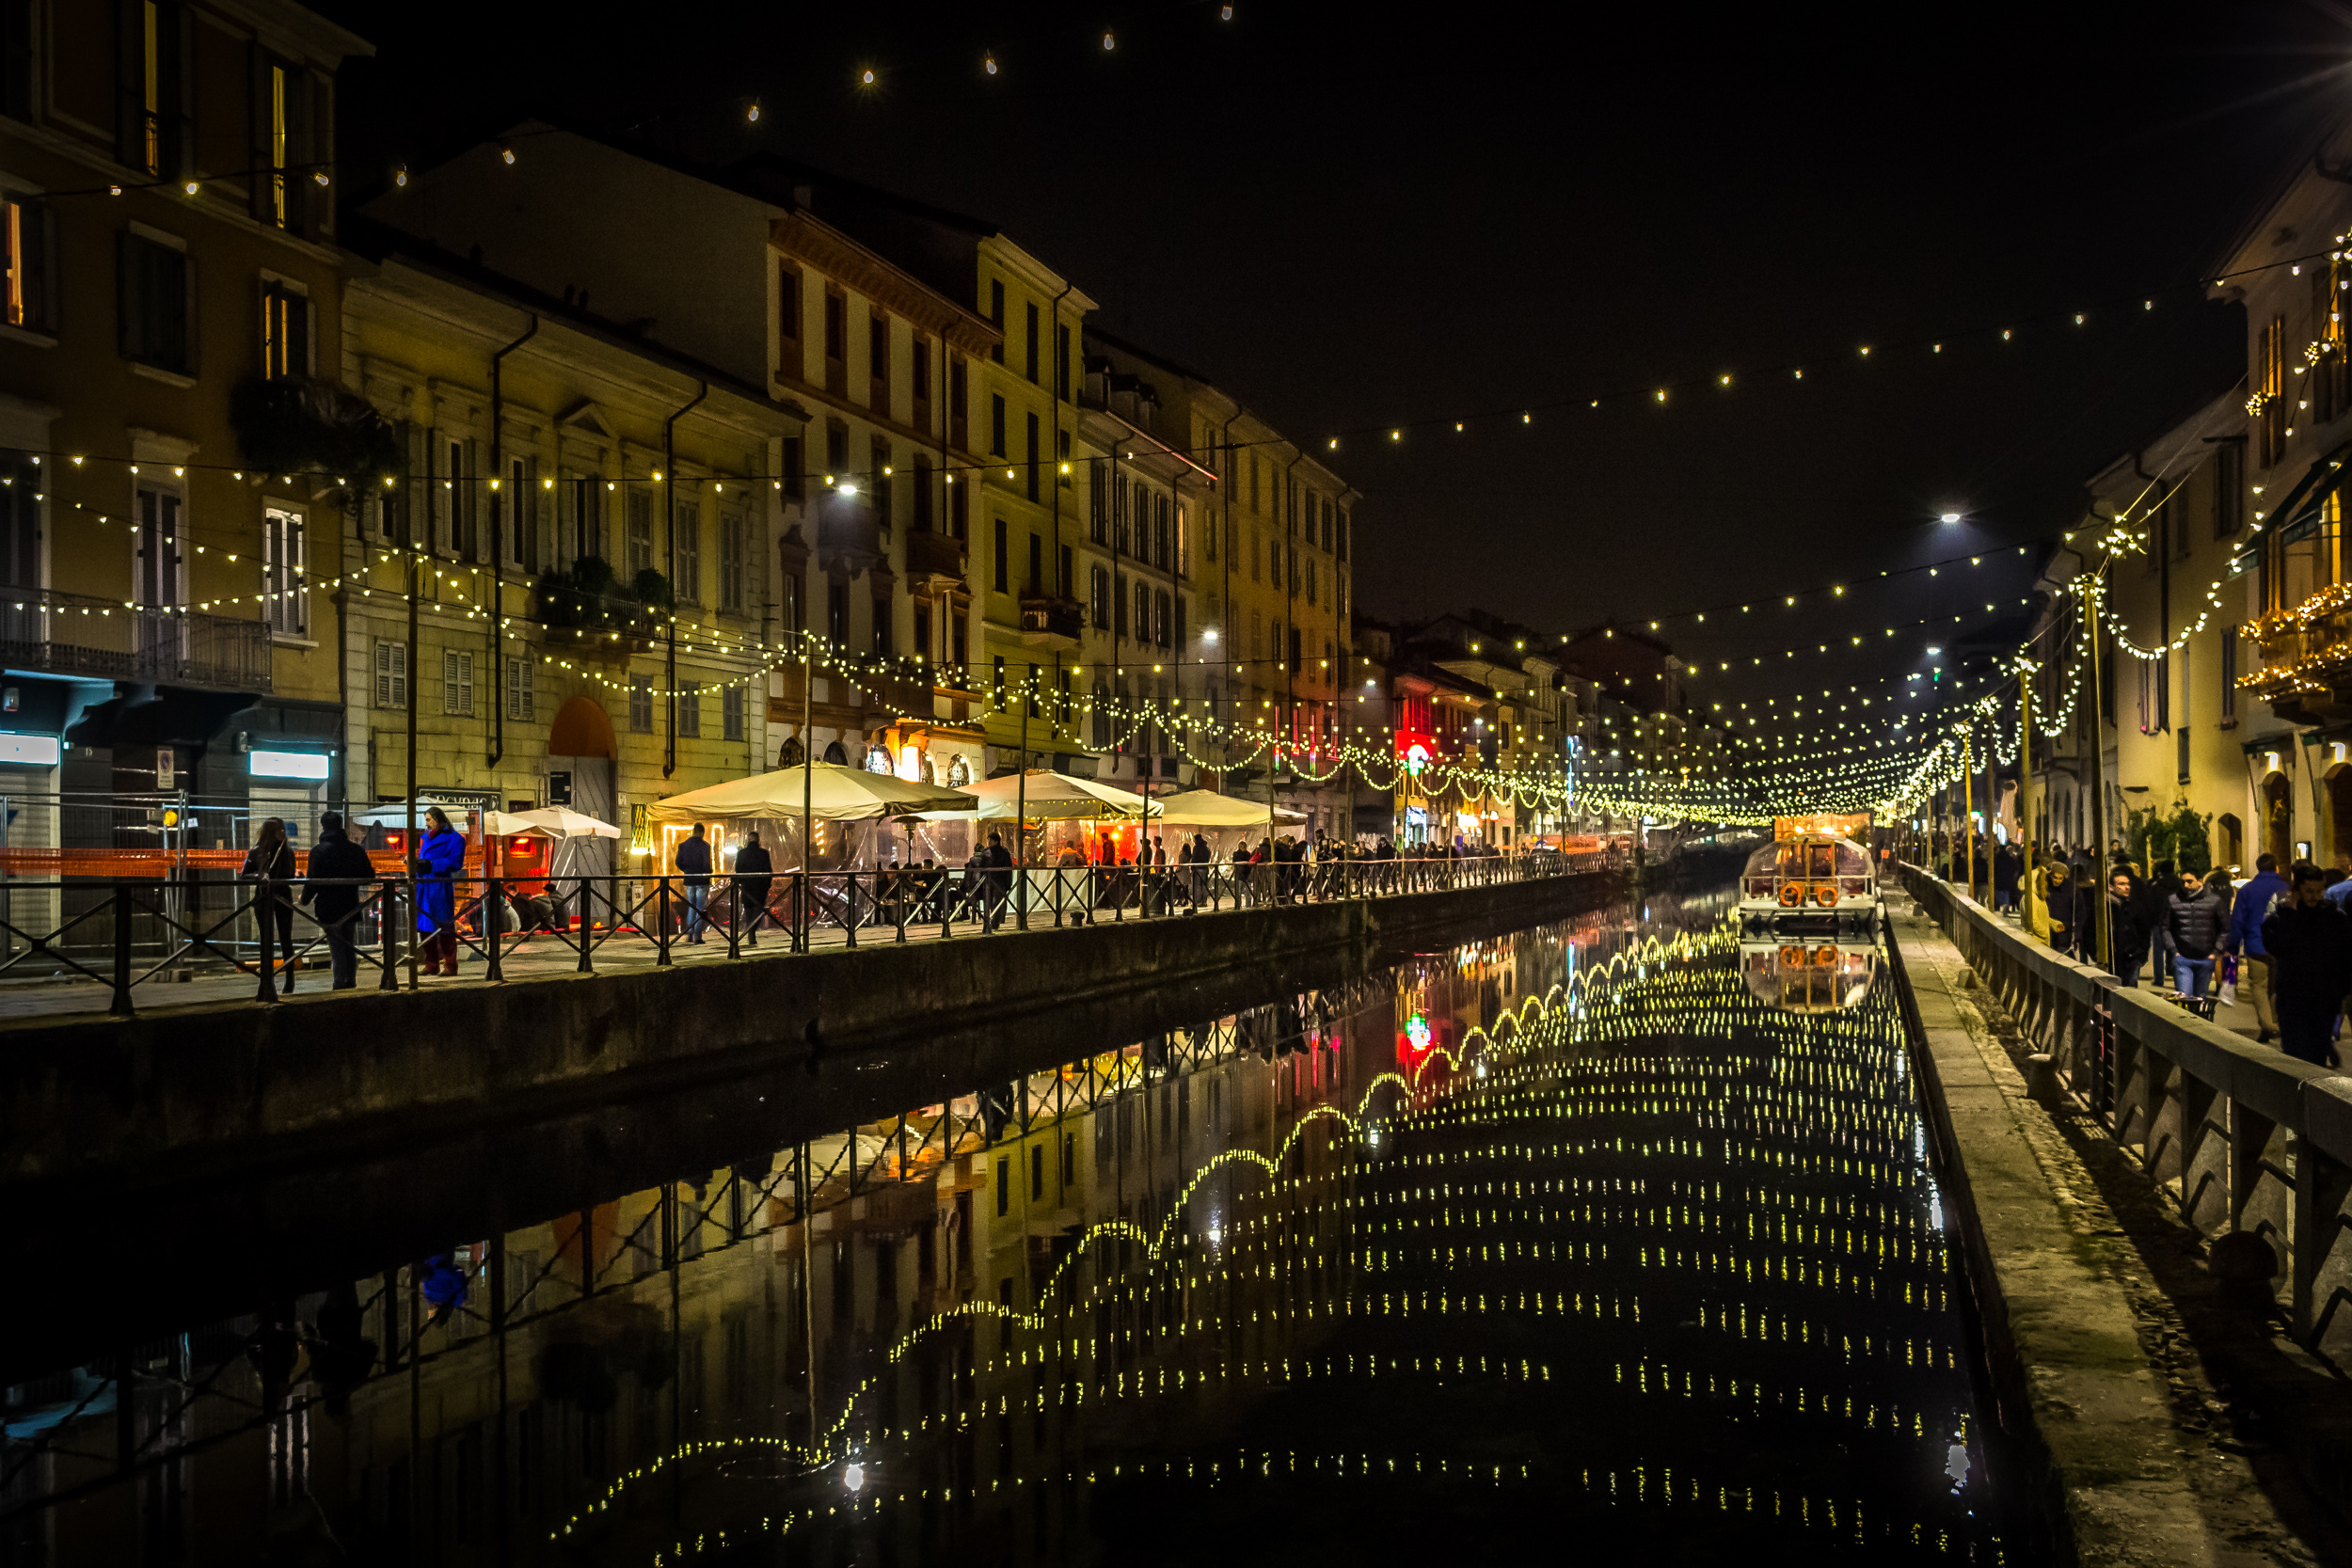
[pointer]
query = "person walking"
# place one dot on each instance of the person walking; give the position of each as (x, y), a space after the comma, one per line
(339, 868)
(755, 873)
(2196, 919)
(999, 880)
(2007, 866)
(2130, 920)
(2307, 945)
(271, 863)
(2060, 900)
(693, 864)
(440, 856)
(2247, 914)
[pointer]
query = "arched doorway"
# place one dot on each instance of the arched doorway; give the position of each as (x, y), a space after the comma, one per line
(2231, 851)
(581, 750)
(2278, 819)
(2339, 782)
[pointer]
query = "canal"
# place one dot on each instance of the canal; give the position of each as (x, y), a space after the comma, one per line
(1609, 1235)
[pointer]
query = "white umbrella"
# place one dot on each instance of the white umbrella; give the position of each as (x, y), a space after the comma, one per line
(1044, 793)
(562, 822)
(1203, 808)
(495, 824)
(835, 793)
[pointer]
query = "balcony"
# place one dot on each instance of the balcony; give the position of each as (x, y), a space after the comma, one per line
(2306, 674)
(848, 533)
(1049, 621)
(614, 625)
(934, 562)
(74, 633)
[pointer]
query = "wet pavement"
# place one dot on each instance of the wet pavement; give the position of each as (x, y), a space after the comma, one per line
(1605, 1236)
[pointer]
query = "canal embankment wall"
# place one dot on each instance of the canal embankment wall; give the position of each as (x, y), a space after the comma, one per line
(186, 1093)
(2153, 1410)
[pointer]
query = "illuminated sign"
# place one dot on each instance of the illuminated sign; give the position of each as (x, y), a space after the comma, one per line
(288, 765)
(1415, 750)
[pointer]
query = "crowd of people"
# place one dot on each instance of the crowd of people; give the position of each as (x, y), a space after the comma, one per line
(2281, 943)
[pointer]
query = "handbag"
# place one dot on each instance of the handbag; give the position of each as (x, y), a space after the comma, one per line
(2228, 992)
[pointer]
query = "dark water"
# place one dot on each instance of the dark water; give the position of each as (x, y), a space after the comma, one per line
(1567, 1241)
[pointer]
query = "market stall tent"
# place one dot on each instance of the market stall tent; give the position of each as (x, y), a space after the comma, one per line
(831, 792)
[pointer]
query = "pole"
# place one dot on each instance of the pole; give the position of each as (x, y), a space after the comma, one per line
(414, 575)
(1967, 810)
(1021, 822)
(2025, 763)
(2100, 869)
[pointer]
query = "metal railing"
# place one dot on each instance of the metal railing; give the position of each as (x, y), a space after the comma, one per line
(2239, 1138)
(76, 634)
(125, 934)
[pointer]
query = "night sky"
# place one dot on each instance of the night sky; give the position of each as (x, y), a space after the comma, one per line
(1354, 216)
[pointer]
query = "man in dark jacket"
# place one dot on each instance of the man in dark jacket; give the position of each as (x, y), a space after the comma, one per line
(2195, 917)
(2254, 902)
(2309, 943)
(2007, 866)
(694, 865)
(338, 870)
(754, 872)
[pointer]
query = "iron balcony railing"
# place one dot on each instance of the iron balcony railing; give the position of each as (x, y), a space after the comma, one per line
(76, 634)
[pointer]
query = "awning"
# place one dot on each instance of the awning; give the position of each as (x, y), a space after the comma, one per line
(2299, 515)
(833, 792)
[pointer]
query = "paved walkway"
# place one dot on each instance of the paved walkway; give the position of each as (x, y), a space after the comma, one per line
(539, 957)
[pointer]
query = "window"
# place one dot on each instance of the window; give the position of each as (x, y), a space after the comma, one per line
(1163, 622)
(995, 424)
(2228, 678)
(836, 329)
(456, 682)
(877, 359)
(281, 144)
(1184, 547)
(1253, 555)
(25, 231)
(1099, 600)
(1143, 610)
(1342, 540)
(687, 546)
(519, 673)
(1160, 553)
(1036, 583)
(958, 652)
(922, 494)
(879, 476)
(20, 523)
(919, 364)
(837, 448)
(997, 314)
(1030, 419)
(16, 59)
(2229, 478)
(522, 500)
(587, 519)
(158, 304)
(391, 674)
(923, 630)
(158, 562)
(641, 705)
(795, 488)
(146, 87)
(1061, 361)
(1118, 606)
(955, 434)
(1066, 574)
(2180, 738)
(1000, 567)
(1257, 634)
(286, 595)
(731, 560)
(637, 550)
(689, 710)
(788, 360)
(958, 514)
(731, 713)
(1097, 511)
(1030, 347)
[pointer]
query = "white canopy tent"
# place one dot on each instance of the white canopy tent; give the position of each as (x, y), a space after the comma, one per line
(1202, 808)
(828, 791)
(1042, 793)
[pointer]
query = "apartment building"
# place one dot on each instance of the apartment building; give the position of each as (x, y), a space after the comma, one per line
(172, 450)
(875, 506)
(1260, 576)
(587, 517)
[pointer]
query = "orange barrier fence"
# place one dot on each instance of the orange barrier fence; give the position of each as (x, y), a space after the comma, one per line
(136, 864)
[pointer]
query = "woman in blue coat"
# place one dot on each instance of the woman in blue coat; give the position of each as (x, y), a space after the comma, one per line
(440, 856)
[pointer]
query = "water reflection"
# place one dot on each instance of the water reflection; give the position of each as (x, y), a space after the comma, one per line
(1565, 1231)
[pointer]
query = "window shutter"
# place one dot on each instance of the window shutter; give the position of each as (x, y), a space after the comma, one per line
(130, 83)
(456, 682)
(391, 674)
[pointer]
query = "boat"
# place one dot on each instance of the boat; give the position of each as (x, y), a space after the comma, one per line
(1796, 975)
(1813, 878)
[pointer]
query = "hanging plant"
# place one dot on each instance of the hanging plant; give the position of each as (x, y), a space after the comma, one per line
(297, 425)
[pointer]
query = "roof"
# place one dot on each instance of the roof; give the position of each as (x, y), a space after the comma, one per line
(379, 242)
